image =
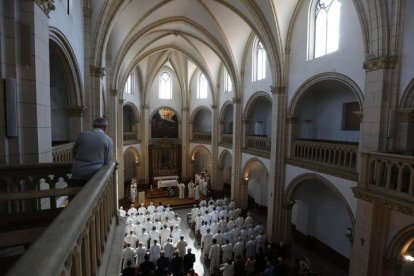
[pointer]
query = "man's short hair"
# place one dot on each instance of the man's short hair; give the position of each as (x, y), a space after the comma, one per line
(100, 122)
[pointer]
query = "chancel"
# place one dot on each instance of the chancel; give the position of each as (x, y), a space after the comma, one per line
(298, 114)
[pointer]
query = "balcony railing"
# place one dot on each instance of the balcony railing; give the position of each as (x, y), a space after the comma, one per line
(62, 153)
(387, 179)
(258, 145)
(337, 158)
(389, 172)
(226, 139)
(74, 243)
(201, 137)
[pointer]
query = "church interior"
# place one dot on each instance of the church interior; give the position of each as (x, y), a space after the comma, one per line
(223, 88)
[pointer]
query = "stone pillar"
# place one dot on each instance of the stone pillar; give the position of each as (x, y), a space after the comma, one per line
(117, 134)
(185, 142)
(276, 222)
(75, 121)
(145, 134)
(34, 130)
(215, 184)
(292, 132)
(237, 152)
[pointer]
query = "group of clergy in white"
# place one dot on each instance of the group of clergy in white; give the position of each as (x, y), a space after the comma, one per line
(151, 230)
(195, 190)
(234, 236)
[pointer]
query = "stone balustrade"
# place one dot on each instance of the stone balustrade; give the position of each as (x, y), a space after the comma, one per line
(62, 153)
(258, 145)
(337, 154)
(201, 137)
(74, 243)
(391, 172)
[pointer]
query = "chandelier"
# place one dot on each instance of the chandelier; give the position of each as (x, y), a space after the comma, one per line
(166, 113)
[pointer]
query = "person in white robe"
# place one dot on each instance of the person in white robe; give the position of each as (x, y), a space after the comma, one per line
(141, 252)
(197, 192)
(238, 249)
(207, 243)
(154, 235)
(219, 237)
(176, 234)
(160, 207)
(181, 246)
(181, 187)
(194, 213)
(132, 210)
(131, 239)
(151, 208)
(251, 248)
(190, 187)
(142, 210)
(154, 251)
(144, 238)
(227, 249)
(133, 190)
(168, 249)
(248, 220)
(122, 212)
(128, 254)
(214, 256)
(227, 269)
(165, 234)
(198, 222)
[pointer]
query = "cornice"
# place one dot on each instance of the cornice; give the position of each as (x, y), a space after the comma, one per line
(236, 100)
(114, 92)
(376, 197)
(380, 63)
(277, 90)
(406, 115)
(46, 5)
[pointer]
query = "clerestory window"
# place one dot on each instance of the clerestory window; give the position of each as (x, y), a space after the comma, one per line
(202, 87)
(165, 87)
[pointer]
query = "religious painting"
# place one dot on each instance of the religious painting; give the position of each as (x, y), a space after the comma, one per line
(164, 124)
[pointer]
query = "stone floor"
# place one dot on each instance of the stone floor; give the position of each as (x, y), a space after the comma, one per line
(319, 264)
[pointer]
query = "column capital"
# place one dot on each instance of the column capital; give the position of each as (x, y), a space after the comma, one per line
(380, 63)
(277, 90)
(46, 5)
(145, 106)
(185, 109)
(114, 92)
(96, 71)
(213, 106)
(75, 110)
(236, 100)
(121, 101)
(292, 120)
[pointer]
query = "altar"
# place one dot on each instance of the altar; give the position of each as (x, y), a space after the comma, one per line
(166, 181)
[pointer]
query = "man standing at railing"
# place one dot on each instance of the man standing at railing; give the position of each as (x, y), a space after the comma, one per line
(91, 151)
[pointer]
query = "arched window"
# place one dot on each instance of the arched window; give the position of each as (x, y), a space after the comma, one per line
(165, 89)
(202, 87)
(228, 85)
(128, 85)
(325, 16)
(259, 61)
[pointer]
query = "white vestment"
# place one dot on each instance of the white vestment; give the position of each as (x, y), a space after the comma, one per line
(214, 256)
(155, 250)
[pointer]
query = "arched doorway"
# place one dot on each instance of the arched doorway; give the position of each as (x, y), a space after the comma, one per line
(400, 253)
(255, 185)
(225, 166)
(200, 160)
(320, 218)
(131, 163)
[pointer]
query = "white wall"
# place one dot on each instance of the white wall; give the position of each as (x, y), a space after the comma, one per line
(348, 60)
(260, 118)
(324, 216)
(320, 116)
(71, 25)
(407, 64)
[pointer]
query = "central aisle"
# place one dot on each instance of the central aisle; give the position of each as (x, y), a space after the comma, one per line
(195, 247)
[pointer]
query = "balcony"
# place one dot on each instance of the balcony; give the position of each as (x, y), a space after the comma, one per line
(201, 137)
(130, 138)
(337, 158)
(62, 153)
(226, 140)
(86, 222)
(387, 179)
(258, 145)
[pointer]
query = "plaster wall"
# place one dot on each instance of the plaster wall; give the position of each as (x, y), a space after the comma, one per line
(407, 64)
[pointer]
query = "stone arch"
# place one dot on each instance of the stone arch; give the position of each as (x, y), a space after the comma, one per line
(131, 160)
(331, 76)
(164, 106)
(297, 181)
(399, 245)
(253, 99)
(407, 99)
(193, 161)
(259, 196)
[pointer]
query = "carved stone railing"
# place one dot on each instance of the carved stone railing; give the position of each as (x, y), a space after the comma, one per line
(131, 137)
(201, 137)
(62, 153)
(258, 145)
(226, 140)
(74, 242)
(387, 179)
(331, 157)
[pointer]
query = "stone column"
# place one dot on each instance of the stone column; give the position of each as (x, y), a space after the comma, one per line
(276, 222)
(292, 132)
(75, 121)
(237, 152)
(185, 142)
(145, 134)
(117, 134)
(33, 93)
(215, 184)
